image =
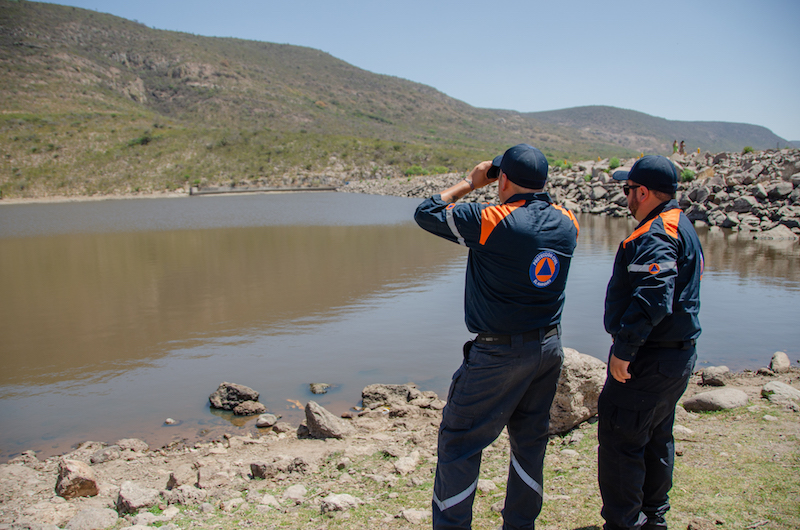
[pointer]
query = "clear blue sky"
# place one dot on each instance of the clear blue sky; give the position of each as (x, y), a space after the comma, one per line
(709, 60)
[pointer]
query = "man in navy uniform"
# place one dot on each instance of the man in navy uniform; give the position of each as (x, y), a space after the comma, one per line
(651, 308)
(519, 257)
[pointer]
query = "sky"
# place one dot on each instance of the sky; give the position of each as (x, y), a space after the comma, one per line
(692, 60)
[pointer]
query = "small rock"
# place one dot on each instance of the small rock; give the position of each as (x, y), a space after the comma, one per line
(415, 516)
(91, 518)
(170, 421)
(767, 417)
(486, 486)
(407, 464)
(133, 444)
(228, 395)
(716, 375)
(75, 479)
(296, 493)
(339, 503)
(780, 363)
(319, 388)
(700, 524)
(133, 497)
(681, 431)
(266, 420)
(249, 408)
(324, 424)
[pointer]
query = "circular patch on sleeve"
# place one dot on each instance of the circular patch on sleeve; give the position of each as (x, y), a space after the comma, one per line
(544, 269)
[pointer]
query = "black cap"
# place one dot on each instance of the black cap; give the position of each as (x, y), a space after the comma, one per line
(524, 165)
(654, 172)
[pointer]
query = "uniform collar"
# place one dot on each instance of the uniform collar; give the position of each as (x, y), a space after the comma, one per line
(667, 205)
(528, 197)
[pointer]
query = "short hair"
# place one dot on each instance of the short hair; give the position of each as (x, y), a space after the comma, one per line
(663, 196)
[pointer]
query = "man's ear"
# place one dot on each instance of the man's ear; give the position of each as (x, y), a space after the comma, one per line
(502, 182)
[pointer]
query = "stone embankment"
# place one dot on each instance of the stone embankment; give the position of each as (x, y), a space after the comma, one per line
(756, 192)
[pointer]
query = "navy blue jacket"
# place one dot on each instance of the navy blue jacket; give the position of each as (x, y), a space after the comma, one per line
(519, 258)
(654, 292)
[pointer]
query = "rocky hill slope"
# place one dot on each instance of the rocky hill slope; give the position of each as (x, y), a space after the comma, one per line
(756, 193)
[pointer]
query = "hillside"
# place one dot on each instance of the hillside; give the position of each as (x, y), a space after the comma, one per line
(96, 104)
(642, 132)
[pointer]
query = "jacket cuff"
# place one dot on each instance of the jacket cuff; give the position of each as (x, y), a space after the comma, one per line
(623, 351)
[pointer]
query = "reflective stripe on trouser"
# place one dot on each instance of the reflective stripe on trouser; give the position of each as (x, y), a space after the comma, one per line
(496, 386)
(636, 452)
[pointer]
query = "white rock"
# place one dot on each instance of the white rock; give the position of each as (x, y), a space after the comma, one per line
(780, 363)
(723, 399)
(295, 493)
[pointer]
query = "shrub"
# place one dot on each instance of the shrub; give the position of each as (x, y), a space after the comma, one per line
(587, 178)
(687, 175)
(613, 163)
(416, 170)
(747, 149)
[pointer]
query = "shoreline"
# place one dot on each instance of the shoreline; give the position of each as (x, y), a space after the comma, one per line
(385, 463)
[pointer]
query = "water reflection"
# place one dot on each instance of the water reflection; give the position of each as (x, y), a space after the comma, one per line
(82, 304)
(772, 262)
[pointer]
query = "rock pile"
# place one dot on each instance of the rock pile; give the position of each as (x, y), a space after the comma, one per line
(757, 192)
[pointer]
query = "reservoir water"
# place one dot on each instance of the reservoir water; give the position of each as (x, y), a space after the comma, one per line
(115, 315)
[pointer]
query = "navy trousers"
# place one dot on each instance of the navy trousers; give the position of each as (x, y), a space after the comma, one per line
(497, 386)
(637, 451)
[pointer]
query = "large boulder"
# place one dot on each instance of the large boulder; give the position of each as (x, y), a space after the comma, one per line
(323, 423)
(582, 379)
(228, 395)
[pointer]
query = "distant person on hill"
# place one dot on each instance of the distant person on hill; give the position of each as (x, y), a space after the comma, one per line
(681, 149)
(651, 309)
(519, 256)
(674, 146)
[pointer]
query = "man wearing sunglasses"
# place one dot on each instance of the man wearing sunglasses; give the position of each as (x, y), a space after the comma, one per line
(651, 312)
(519, 256)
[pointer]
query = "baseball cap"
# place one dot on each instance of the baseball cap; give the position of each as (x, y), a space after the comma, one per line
(655, 172)
(524, 165)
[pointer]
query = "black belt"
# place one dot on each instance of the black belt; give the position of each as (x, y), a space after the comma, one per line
(492, 338)
(670, 344)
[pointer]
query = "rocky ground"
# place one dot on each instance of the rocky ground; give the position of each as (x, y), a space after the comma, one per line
(736, 468)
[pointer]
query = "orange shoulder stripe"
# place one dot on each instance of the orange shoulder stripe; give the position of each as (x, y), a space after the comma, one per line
(670, 220)
(570, 215)
(493, 215)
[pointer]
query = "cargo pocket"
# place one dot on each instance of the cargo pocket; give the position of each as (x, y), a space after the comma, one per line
(626, 413)
(453, 421)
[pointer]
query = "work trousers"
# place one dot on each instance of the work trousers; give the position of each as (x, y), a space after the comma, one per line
(637, 450)
(497, 386)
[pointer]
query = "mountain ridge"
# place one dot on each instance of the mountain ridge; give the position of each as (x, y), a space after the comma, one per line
(95, 103)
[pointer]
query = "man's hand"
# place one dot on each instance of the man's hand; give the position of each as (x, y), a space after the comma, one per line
(619, 368)
(478, 175)
(478, 179)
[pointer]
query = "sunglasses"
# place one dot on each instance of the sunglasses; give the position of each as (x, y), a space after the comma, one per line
(627, 189)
